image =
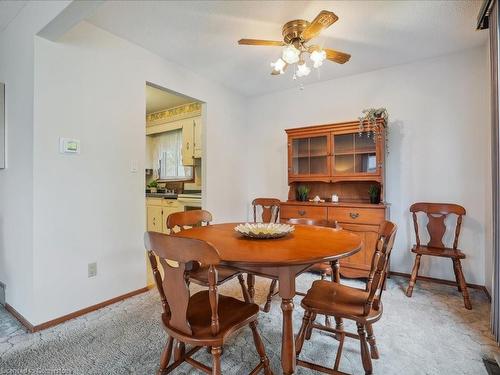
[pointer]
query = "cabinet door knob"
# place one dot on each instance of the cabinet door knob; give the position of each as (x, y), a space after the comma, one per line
(187, 145)
(302, 212)
(353, 215)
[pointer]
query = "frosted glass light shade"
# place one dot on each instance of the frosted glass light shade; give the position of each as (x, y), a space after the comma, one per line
(290, 54)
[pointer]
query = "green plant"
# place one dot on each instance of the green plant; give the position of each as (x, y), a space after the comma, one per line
(374, 192)
(153, 184)
(302, 192)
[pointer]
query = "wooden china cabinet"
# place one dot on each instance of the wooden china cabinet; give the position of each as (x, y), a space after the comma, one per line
(343, 159)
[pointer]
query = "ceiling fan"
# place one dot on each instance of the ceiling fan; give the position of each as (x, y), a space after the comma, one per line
(296, 34)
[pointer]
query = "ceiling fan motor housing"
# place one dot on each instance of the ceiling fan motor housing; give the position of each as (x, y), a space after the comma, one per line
(292, 31)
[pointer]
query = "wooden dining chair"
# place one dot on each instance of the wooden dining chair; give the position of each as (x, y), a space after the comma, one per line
(179, 221)
(436, 228)
(363, 306)
(269, 213)
(205, 319)
(270, 209)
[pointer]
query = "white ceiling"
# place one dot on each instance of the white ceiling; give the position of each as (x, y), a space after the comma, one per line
(158, 99)
(8, 11)
(202, 35)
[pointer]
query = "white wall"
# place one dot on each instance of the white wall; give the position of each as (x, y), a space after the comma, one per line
(16, 181)
(438, 142)
(89, 207)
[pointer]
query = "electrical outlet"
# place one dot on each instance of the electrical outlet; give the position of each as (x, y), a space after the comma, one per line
(92, 269)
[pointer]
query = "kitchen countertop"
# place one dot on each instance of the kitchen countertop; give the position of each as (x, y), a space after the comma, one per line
(161, 195)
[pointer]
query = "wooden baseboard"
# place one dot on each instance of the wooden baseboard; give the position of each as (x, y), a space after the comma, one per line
(442, 281)
(51, 323)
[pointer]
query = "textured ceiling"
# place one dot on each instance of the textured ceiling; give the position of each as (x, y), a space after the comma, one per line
(157, 99)
(202, 35)
(8, 11)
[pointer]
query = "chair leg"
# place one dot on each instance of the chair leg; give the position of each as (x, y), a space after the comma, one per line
(310, 326)
(251, 286)
(372, 342)
(414, 274)
(456, 275)
(179, 350)
(301, 336)
(244, 290)
(270, 295)
(165, 355)
(216, 352)
(365, 353)
(260, 348)
(463, 285)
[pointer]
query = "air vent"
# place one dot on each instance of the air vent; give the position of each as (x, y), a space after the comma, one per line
(491, 366)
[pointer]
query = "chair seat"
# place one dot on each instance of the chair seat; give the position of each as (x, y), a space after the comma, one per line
(439, 252)
(233, 314)
(321, 268)
(330, 298)
(200, 275)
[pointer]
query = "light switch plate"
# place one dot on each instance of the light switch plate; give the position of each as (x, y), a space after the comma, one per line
(69, 146)
(133, 166)
(92, 269)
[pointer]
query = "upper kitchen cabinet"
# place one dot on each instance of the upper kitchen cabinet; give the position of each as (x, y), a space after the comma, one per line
(336, 152)
(188, 141)
(197, 137)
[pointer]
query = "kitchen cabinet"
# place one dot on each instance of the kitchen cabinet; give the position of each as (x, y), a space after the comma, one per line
(154, 218)
(191, 140)
(157, 211)
(187, 141)
(197, 137)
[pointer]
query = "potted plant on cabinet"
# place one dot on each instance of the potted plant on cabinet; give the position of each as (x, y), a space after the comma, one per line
(374, 192)
(302, 193)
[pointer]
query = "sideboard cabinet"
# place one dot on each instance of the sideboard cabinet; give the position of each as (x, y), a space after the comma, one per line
(343, 159)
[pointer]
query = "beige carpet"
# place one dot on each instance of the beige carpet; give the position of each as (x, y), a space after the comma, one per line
(430, 333)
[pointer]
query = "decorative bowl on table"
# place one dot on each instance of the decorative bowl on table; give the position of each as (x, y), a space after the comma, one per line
(264, 230)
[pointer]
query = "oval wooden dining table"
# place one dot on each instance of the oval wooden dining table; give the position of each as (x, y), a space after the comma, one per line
(282, 259)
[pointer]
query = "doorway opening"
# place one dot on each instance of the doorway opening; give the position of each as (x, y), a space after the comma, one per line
(174, 130)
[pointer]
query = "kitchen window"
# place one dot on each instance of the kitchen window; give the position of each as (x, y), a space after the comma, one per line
(168, 150)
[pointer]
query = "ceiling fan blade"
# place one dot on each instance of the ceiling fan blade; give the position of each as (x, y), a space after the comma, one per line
(336, 56)
(259, 42)
(323, 20)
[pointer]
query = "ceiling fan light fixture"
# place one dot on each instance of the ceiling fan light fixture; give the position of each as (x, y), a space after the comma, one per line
(279, 65)
(291, 55)
(303, 70)
(317, 57)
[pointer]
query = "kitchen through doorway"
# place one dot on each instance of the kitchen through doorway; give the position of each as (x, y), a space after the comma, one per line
(174, 130)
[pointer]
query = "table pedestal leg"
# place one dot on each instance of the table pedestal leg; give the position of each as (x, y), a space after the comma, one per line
(287, 291)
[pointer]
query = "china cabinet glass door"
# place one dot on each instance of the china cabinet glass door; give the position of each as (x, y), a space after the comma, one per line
(354, 153)
(309, 156)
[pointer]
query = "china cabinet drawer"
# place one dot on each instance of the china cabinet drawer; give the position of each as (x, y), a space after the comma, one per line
(356, 215)
(292, 211)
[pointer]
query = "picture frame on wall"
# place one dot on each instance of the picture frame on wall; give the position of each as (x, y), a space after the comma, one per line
(2, 126)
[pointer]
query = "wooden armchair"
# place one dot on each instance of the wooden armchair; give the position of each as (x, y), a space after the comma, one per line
(436, 214)
(178, 221)
(205, 319)
(344, 302)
